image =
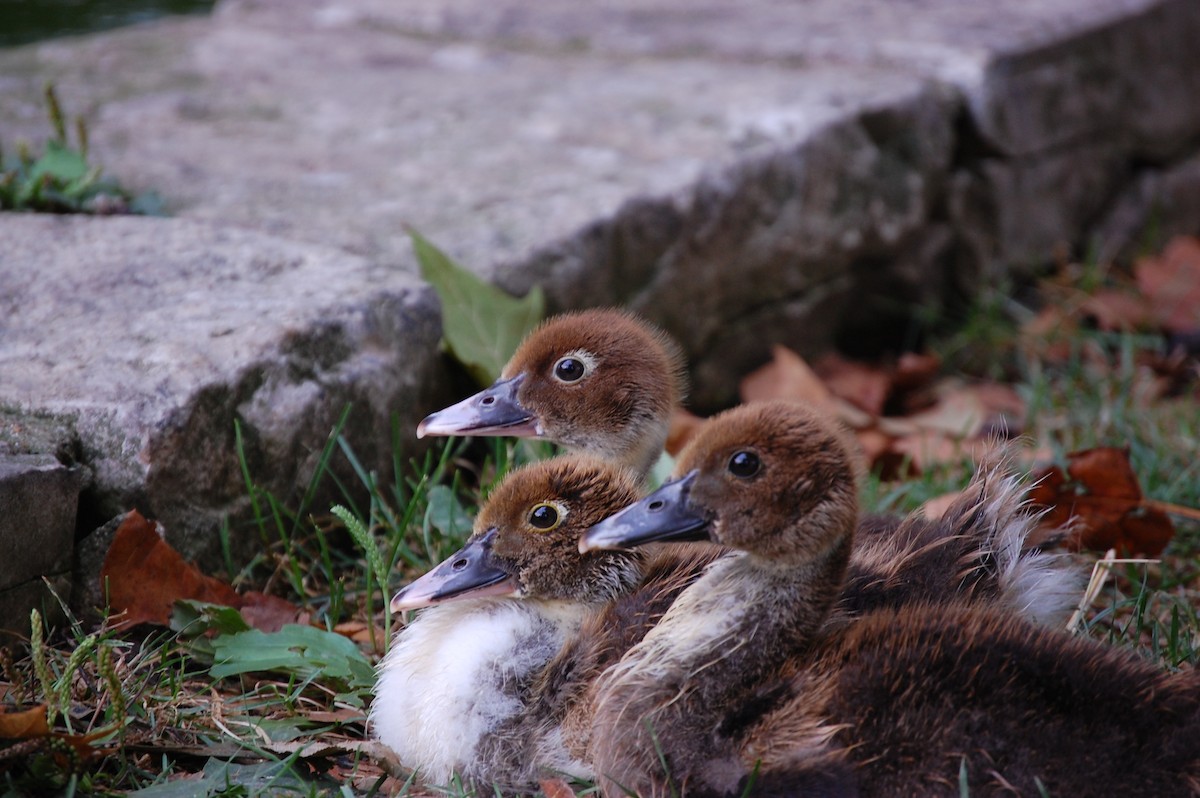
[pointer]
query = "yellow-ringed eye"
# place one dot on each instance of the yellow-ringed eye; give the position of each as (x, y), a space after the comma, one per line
(546, 516)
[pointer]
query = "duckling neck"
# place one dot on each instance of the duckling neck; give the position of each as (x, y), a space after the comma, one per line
(695, 685)
(637, 447)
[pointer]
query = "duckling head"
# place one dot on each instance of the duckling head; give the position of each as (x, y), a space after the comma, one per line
(774, 479)
(600, 381)
(525, 540)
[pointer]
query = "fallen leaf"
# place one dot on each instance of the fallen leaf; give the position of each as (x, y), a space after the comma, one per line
(936, 507)
(1113, 309)
(787, 376)
(1105, 471)
(866, 387)
(914, 370)
(959, 413)
(1171, 284)
(269, 613)
(144, 576)
(24, 724)
(1100, 503)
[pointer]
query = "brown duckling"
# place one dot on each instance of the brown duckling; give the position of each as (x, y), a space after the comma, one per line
(605, 382)
(602, 382)
(744, 687)
(462, 689)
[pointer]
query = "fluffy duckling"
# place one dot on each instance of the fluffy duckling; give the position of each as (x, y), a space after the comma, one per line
(739, 687)
(606, 382)
(466, 688)
(603, 382)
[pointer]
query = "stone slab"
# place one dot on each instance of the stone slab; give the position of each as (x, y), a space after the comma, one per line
(153, 336)
(38, 501)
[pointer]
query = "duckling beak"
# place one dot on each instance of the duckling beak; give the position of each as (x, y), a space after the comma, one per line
(492, 411)
(468, 573)
(663, 515)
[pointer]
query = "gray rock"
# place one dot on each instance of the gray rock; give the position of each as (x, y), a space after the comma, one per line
(38, 499)
(154, 336)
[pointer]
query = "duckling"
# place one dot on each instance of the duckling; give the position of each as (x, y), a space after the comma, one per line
(599, 381)
(606, 382)
(468, 687)
(744, 686)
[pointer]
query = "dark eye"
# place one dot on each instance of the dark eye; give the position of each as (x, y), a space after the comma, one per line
(744, 464)
(569, 369)
(544, 517)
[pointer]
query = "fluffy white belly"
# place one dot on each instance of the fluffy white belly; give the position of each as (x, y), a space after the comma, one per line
(457, 672)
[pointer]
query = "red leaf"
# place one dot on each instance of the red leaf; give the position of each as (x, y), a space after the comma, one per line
(865, 387)
(1100, 496)
(144, 576)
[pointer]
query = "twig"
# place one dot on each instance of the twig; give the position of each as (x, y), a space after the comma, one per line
(1100, 572)
(1174, 509)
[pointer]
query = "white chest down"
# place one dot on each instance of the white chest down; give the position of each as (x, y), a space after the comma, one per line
(459, 671)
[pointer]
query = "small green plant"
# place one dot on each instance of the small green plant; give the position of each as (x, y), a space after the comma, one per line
(61, 179)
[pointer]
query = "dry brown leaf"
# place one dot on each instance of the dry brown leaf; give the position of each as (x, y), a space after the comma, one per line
(24, 724)
(269, 613)
(1171, 283)
(144, 576)
(866, 387)
(1099, 496)
(787, 376)
(927, 448)
(1118, 310)
(915, 370)
(1048, 335)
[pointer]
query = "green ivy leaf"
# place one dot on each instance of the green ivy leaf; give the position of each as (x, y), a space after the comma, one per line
(481, 324)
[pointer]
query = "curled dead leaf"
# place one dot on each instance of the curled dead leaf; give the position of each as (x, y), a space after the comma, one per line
(787, 376)
(24, 724)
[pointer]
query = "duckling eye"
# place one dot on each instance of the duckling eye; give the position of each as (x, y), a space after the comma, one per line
(544, 517)
(744, 464)
(570, 369)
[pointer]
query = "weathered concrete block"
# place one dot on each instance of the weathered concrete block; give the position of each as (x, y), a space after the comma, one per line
(38, 500)
(180, 330)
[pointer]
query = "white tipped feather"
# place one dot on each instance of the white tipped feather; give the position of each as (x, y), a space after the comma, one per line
(1037, 585)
